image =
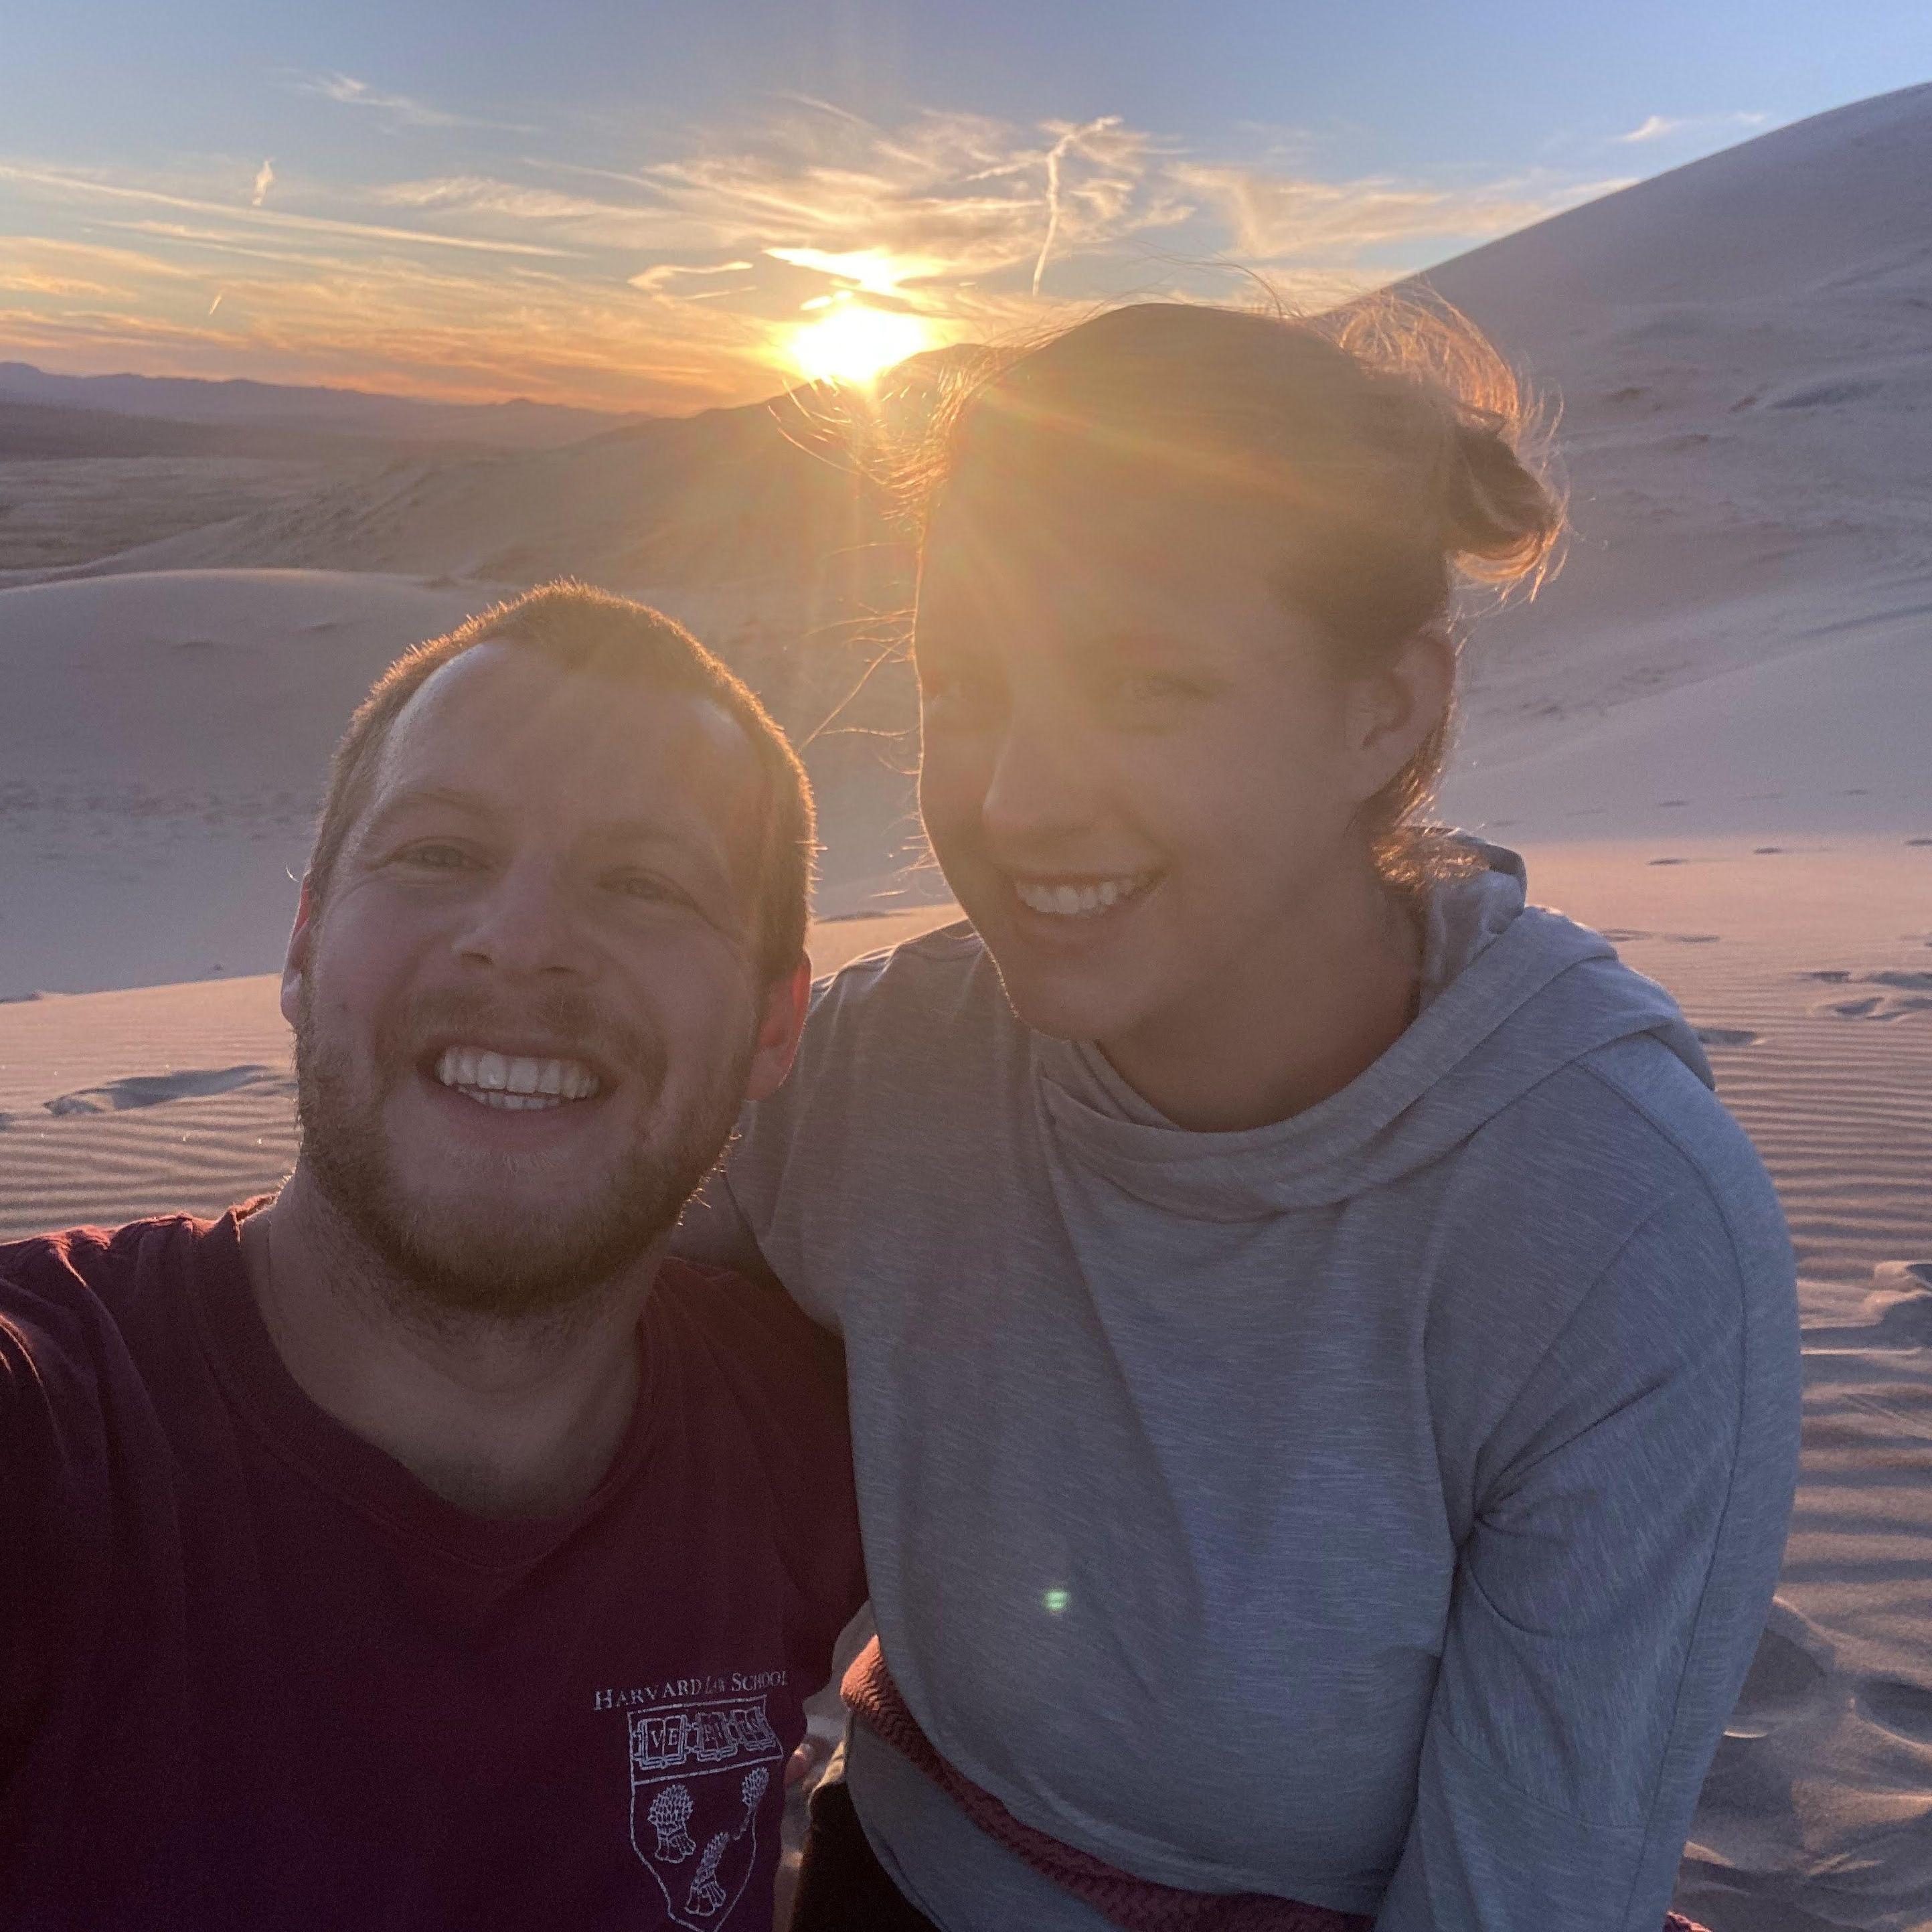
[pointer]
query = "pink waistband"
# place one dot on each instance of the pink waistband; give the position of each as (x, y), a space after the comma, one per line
(1134, 1904)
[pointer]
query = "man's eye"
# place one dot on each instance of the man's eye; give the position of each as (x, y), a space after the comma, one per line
(434, 856)
(647, 886)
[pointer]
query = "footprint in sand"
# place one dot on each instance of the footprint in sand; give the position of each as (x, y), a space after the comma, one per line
(1907, 991)
(1727, 1035)
(1873, 1007)
(1790, 1677)
(1897, 1311)
(153, 1090)
(1903, 1708)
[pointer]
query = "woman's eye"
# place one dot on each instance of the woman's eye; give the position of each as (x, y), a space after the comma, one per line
(958, 689)
(1151, 687)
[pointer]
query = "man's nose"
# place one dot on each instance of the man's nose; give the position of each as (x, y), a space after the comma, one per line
(526, 923)
(1042, 782)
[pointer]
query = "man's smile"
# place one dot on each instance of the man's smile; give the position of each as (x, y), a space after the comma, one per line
(515, 1082)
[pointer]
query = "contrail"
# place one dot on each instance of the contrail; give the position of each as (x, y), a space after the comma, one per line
(1064, 146)
(1053, 155)
(264, 179)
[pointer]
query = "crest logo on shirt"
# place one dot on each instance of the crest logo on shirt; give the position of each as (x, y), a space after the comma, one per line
(700, 1774)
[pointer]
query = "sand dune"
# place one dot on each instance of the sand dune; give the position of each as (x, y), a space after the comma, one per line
(162, 749)
(165, 739)
(1738, 347)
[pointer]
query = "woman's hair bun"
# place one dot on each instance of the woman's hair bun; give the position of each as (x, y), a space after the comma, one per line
(1501, 520)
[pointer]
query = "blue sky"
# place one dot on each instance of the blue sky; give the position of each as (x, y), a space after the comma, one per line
(647, 205)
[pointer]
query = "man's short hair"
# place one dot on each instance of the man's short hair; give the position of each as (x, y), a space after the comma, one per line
(579, 629)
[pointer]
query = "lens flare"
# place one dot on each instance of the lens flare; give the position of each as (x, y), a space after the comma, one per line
(853, 343)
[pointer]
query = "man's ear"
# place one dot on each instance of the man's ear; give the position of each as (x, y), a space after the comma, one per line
(787, 998)
(294, 962)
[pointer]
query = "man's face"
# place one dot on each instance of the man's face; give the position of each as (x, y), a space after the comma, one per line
(529, 1006)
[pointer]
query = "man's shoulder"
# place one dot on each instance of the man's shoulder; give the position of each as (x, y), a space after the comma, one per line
(78, 1279)
(751, 1339)
(763, 1390)
(92, 1344)
(87, 1312)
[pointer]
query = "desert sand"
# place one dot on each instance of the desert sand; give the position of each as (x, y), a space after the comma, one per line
(1808, 971)
(1709, 735)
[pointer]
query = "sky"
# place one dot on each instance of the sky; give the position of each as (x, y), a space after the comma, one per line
(668, 205)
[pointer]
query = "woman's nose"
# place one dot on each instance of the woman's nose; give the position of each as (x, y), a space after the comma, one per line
(1042, 781)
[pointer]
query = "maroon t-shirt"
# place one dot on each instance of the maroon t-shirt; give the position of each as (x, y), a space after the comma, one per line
(253, 1674)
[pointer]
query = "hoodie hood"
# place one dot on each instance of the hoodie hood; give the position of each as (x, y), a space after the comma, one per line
(1512, 994)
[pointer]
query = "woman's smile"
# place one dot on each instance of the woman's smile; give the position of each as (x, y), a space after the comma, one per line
(1064, 897)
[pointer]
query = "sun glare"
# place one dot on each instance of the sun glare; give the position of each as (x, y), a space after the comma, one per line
(853, 342)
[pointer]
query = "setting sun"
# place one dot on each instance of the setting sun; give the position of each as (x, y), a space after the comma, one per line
(853, 342)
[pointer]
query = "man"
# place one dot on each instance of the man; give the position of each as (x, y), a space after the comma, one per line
(421, 1549)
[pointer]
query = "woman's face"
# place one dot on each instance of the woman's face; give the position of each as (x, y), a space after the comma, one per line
(1139, 769)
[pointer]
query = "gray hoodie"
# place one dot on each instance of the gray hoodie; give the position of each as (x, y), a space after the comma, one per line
(1379, 1508)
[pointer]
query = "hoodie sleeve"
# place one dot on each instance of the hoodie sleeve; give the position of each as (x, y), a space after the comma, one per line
(1633, 1507)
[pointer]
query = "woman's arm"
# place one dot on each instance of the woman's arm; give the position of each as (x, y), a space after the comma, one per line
(1633, 1506)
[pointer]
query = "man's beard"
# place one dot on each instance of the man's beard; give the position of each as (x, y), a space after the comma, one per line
(482, 1257)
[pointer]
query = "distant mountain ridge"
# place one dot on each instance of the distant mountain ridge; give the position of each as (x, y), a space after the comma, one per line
(58, 432)
(269, 407)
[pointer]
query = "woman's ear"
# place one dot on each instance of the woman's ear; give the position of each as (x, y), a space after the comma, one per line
(1391, 712)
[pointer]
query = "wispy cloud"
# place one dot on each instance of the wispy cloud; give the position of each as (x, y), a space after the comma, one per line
(86, 186)
(667, 274)
(24, 280)
(1299, 220)
(873, 271)
(1660, 126)
(485, 202)
(401, 108)
(679, 280)
(967, 195)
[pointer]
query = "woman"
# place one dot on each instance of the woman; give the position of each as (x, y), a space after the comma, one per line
(1323, 1366)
